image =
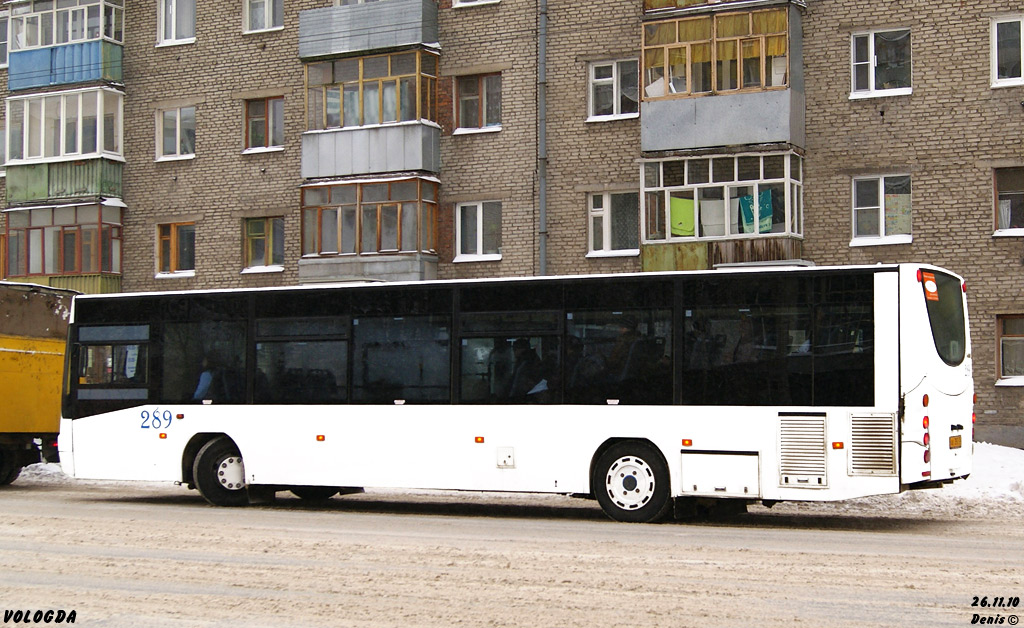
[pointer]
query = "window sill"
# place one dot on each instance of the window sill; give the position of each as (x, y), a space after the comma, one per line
(272, 29)
(1008, 233)
(613, 118)
(64, 158)
(257, 270)
(897, 239)
(618, 253)
(881, 93)
(491, 257)
(472, 131)
(175, 42)
(175, 158)
(257, 150)
(1010, 382)
(178, 274)
(1001, 83)
(466, 5)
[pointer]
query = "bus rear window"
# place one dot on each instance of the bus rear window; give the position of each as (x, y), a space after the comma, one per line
(944, 297)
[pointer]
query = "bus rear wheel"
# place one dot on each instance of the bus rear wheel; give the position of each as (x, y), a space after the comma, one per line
(314, 493)
(631, 483)
(219, 474)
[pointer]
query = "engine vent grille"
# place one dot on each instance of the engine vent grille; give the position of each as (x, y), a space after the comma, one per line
(802, 451)
(873, 445)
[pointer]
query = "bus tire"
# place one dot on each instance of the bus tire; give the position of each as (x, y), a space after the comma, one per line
(314, 493)
(631, 482)
(219, 474)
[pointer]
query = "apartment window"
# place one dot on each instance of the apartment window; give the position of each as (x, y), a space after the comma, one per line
(65, 124)
(716, 53)
(1006, 51)
(397, 216)
(4, 22)
(881, 210)
(261, 15)
(613, 90)
(176, 133)
(479, 101)
(614, 223)
(723, 196)
(1009, 195)
(68, 240)
(42, 23)
(176, 244)
(264, 123)
(1010, 332)
(357, 91)
(264, 242)
(881, 63)
(478, 231)
(176, 21)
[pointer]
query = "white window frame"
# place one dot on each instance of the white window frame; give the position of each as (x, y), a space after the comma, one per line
(458, 4)
(5, 31)
(616, 82)
(162, 11)
(160, 155)
(1008, 231)
(604, 213)
(656, 187)
(872, 62)
(881, 238)
(477, 255)
(997, 82)
(26, 102)
(268, 15)
(110, 14)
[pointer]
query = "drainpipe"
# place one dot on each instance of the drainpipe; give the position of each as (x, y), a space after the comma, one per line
(542, 138)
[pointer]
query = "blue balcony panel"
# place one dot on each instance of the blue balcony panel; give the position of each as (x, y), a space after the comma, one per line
(65, 65)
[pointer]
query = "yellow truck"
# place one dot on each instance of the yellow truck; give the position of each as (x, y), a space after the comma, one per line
(33, 333)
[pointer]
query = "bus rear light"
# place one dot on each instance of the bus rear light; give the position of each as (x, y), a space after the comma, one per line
(927, 439)
(478, 440)
(924, 401)
(837, 445)
(924, 423)
(320, 438)
(163, 435)
(179, 416)
(974, 418)
(926, 474)
(927, 455)
(920, 275)
(963, 287)
(687, 442)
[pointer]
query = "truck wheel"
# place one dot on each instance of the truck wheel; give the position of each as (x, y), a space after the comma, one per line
(219, 474)
(10, 469)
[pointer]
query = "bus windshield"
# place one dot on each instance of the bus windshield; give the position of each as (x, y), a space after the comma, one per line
(944, 299)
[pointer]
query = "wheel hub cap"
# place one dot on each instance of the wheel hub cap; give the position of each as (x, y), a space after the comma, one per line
(230, 473)
(630, 483)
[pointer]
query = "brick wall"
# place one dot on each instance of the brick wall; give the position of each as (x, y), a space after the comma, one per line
(220, 186)
(948, 135)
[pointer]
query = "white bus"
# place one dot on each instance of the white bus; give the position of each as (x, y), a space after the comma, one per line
(638, 390)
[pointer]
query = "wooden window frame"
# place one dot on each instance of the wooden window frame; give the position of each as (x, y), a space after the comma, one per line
(481, 98)
(270, 128)
(267, 237)
(170, 243)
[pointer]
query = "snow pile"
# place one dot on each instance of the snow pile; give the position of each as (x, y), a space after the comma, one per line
(995, 487)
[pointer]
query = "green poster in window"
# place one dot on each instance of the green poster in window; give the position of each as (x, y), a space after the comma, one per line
(897, 214)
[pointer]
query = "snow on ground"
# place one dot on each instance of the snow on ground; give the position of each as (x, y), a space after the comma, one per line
(995, 487)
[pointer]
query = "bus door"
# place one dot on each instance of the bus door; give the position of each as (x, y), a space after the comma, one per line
(935, 370)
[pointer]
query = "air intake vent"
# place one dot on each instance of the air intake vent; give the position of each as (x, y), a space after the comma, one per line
(873, 445)
(802, 451)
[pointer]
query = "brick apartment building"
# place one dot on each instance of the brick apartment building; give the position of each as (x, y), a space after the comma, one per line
(176, 144)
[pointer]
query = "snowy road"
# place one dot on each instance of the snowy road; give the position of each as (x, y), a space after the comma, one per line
(153, 555)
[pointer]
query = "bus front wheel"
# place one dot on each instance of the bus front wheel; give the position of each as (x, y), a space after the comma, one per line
(219, 474)
(631, 482)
